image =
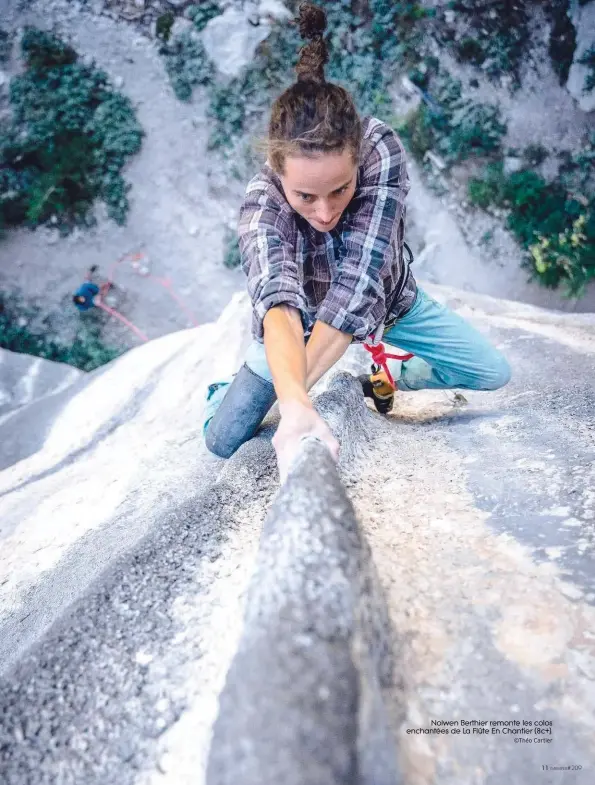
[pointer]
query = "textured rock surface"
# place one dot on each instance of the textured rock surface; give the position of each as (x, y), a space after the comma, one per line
(230, 40)
(29, 384)
(24, 379)
(303, 701)
(127, 553)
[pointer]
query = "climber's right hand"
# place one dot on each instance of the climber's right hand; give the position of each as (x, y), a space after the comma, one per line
(299, 419)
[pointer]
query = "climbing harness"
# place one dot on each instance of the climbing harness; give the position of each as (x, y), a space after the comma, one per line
(97, 298)
(380, 385)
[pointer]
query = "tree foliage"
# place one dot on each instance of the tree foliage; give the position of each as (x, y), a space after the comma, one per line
(68, 139)
(87, 351)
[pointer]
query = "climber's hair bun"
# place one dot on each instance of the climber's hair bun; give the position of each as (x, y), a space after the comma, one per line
(311, 117)
(312, 21)
(313, 57)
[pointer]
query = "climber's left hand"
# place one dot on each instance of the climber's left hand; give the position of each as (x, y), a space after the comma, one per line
(299, 420)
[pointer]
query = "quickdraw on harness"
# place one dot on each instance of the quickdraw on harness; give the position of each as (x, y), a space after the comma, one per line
(380, 386)
(89, 294)
(379, 358)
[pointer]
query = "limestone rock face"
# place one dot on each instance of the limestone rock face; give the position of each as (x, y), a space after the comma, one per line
(24, 379)
(128, 551)
(29, 383)
(231, 38)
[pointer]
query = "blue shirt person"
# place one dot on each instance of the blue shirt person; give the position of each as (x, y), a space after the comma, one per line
(84, 296)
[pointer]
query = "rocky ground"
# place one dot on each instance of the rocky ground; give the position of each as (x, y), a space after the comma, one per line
(176, 218)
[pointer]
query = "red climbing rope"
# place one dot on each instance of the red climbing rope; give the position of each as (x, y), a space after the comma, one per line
(379, 357)
(117, 315)
(135, 258)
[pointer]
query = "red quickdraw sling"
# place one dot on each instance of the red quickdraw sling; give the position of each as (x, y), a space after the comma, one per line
(380, 356)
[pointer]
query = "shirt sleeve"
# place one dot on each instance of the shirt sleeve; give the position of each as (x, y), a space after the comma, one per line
(369, 248)
(267, 240)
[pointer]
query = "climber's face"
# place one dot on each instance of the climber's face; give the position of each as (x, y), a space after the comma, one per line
(320, 188)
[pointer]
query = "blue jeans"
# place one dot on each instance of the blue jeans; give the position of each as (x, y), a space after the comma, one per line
(449, 353)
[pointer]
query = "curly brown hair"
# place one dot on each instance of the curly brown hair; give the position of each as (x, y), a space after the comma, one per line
(313, 116)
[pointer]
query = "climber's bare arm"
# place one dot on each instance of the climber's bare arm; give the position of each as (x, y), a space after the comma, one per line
(326, 346)
(286, 356)
(286, 353)
(296, 368)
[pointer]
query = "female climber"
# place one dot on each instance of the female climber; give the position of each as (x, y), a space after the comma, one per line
(321, 239)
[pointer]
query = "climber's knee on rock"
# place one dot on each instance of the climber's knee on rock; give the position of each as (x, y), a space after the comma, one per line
(240, 414)
(215, 445)
(497, 373)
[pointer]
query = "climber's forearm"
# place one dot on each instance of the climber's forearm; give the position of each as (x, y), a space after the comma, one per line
(296, 367)
(325, 347)
(286, 353)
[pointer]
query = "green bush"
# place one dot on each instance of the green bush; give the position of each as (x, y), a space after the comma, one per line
(537, 207)
(203, 13)
(232, 258)
(476, 129)
(417, 131)
(227, 110)
(490, 189)
(68, 140)
(577, 170)
(535, 154)
(5, 45)
(186, 61)
(555, 227)
(42, 50)
(396, 33)
(562, 41)
(567, 257)
(469, 50)
(498, 35)
(187, 64)
(480, 192)
(487, 237)
(164, 25)
(86, 352)
(452, 126)
(446, 91)
(588, 59)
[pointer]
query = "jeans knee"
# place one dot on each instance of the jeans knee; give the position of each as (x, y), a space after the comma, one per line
(498, 375)
(218, 446)
(247, 401)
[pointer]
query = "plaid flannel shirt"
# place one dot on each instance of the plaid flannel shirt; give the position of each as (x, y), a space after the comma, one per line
(354, 277)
